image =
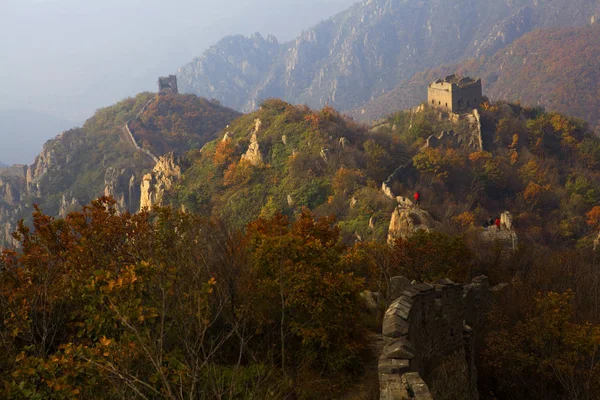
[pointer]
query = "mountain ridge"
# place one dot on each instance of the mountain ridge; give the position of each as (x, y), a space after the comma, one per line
(99, 158)
(554, 67)
(365, 51)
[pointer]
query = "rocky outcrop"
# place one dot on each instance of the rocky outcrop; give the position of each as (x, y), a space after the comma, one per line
(13, 190)
(408, 220)
(506, 234)
(253, 154)
(387, 191)
(425, 324)
(68, 204)
(165, 174)
(121, 185)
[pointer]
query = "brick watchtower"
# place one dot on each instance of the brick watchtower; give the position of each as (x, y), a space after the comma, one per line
(455, 94)
(168, 85)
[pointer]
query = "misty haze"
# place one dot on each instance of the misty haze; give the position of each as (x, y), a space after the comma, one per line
(63, 59)
(300, 199)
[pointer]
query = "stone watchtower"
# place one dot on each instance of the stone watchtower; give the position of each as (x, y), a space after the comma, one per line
(168, 85)
(455, 94)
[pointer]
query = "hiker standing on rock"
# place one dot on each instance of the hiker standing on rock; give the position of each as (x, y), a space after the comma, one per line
(498, 223)
(417, 199)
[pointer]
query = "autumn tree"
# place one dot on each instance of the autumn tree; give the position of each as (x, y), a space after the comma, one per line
(547, 355)
(593, 218)
(427, 256)
(301, 294)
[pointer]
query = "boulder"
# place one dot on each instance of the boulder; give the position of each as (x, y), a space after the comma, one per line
(404, 202)
(406, 221)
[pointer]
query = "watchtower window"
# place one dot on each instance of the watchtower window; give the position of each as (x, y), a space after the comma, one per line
(446, 104)
(433, 102)
(439, 103)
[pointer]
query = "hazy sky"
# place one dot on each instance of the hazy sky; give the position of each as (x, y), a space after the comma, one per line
(70, 57)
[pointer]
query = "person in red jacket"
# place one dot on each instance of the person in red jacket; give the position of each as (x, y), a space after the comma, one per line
(498, 223)
(417, 198)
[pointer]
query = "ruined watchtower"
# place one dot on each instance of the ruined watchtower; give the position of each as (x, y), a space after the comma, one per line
(455, 94)
(168, 85)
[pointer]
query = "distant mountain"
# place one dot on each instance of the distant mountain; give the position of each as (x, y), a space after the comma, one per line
(557, 68)
(369, 49)
(2, 165)
(23, 132)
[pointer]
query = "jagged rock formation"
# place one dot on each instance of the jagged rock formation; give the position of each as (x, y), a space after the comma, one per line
(365, 51)
(67, 206)
(12, 189)
(426, 324)
(407, 220)
(123, 187)
(11, 184)
(165, 174)
(253, 155)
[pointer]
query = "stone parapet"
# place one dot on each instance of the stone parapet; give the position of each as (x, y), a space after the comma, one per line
(425, 324)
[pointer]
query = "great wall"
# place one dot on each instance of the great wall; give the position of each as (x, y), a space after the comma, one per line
(166, 85)
(425, 324)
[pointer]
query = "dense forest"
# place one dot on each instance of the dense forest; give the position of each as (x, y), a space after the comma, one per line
(247, 283)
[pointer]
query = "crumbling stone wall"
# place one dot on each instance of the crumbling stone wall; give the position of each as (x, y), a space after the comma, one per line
(471, 140)
(425, 324)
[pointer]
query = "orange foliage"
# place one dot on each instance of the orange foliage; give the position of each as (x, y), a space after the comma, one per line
(347, 180)
(224, 152)
(593, 217)
(238, 173)
(486, 106)
(160, 303)
(478, 156)
(464, 220)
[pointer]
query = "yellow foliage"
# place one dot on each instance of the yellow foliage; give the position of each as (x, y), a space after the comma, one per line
(464, 220)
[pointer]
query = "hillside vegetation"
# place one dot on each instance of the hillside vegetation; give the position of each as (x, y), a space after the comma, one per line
(246, 293)
(543, 167)
(313, 159)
